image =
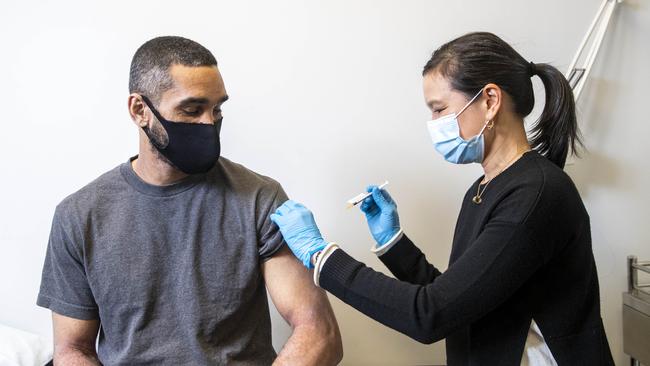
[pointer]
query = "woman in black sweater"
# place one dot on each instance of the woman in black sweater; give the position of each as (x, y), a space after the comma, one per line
(521, 287)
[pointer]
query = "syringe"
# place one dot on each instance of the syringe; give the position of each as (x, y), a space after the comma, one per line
(362, 196)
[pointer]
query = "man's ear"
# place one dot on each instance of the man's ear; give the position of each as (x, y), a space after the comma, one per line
(137, 110)
(493, 101)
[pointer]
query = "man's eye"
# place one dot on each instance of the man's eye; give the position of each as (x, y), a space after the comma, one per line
(191, 112)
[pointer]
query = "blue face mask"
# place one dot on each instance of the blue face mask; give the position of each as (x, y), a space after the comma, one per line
(445, 135)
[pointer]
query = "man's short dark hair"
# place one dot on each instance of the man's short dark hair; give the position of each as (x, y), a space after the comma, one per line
(149, 73)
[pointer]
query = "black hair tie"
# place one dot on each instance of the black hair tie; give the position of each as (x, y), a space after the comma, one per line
(532, 69)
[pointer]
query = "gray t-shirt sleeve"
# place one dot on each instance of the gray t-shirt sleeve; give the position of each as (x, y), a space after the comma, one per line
(270, 198)
(64, 285)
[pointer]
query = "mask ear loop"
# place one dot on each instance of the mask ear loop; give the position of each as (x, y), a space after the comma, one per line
(484, 126)
(153, 109)
(160, 119)
(470, 102)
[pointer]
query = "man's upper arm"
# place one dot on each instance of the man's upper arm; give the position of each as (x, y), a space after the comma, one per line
(293, 293)
(316, 339)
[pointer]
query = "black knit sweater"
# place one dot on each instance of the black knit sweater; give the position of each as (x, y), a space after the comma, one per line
(523, 253)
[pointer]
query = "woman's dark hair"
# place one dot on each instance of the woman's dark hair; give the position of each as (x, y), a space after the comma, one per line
(476, 59)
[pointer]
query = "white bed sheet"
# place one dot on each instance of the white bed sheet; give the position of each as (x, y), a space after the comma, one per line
(21, 348)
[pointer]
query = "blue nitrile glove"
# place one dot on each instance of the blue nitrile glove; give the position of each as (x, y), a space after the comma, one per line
(381, 214)
(299, 230)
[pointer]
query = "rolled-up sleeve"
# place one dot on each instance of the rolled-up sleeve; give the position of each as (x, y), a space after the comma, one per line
(270, 197)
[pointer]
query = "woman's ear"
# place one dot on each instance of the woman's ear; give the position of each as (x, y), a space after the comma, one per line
(493, 101)
(137, 110)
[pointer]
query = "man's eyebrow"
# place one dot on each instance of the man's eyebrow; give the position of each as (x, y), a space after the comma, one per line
(194, 100)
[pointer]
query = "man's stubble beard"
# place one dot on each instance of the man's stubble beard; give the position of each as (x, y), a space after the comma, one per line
(158, 137)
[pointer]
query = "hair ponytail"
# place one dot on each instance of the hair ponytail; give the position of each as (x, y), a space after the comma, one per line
(476, 59)
(556, 131)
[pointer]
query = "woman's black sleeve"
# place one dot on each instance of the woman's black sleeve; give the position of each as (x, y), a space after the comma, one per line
(408, 263)
(501, 259)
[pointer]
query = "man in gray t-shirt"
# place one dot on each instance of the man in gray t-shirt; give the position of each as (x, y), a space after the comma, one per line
(167, 256)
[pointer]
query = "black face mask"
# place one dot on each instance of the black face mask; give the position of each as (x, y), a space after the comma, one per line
(192, 147)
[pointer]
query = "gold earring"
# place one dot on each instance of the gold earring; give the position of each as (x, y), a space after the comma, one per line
(490, 124)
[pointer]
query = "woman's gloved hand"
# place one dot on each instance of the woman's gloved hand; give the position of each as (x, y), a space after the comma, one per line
(299, 230)
(381, 214)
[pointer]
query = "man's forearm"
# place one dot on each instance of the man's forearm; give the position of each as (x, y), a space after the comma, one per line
(311, 346)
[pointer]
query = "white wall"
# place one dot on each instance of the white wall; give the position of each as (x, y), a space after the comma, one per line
(326, 98)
